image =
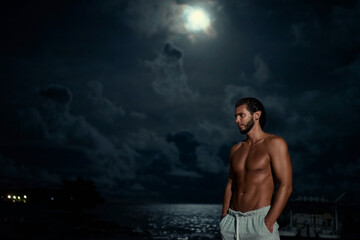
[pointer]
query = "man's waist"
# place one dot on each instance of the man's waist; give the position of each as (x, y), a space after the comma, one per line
(259, 211)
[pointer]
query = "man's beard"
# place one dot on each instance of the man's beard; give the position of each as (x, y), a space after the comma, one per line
(248, 127)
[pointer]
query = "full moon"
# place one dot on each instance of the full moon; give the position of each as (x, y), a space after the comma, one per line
(196, 19)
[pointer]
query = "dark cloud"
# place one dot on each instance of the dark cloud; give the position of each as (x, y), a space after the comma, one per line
(14, 175)
(138, 115)
(262, 73)
(208, 161)
(104, 110)
(60, 95)
(186, 144)
(171, 80)
(52, 124)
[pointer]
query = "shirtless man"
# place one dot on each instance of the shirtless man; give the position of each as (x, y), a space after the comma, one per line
(256, 165)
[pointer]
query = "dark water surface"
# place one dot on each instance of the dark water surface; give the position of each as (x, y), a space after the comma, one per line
(110, 221)
(120, 221)
(165, 221)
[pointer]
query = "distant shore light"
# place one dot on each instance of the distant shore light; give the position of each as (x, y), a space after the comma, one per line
(9, 196)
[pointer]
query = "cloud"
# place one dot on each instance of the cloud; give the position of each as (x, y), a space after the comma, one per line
(208, 161)
(332, 26)
(257, 86)
(103, 109)
(144, 139)
(137, 187)
(262, 71)
(61, 127)
(248, 87)
(184, 173)
(186, 145)
(13, 175)
(342, 31)
(277, 105)
(138, 115)
(233, 93)
(213, 134)
(351, 168)
(57, 126)
(149, 18)
(298, 31)
(60, 95)
(171, 80)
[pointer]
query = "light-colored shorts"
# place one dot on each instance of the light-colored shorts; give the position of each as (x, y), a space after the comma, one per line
(248, 225)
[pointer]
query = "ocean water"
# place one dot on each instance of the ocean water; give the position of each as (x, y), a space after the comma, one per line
(126, 222)
(163, 221)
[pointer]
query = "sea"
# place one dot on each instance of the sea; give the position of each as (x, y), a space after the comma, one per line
(111, 221)
(164, 221)
(115, 221)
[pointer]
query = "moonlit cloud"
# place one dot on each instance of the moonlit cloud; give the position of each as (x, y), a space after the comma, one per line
(150, 18)
(171, 80)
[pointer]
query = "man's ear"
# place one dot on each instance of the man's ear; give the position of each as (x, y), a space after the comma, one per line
(257, 115)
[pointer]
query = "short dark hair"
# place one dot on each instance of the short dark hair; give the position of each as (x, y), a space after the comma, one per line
(253, 105)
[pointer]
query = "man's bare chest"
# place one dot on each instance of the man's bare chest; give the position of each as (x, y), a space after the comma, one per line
(250, 159)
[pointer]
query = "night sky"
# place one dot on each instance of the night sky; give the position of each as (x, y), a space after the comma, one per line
(122, 93)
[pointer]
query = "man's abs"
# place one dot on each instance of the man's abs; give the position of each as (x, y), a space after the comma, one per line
(249, 198)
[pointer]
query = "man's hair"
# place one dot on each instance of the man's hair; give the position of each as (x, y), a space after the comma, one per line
(253, 105)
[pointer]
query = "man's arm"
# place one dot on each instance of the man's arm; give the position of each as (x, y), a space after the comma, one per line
(228, 192)
(281, 165)
(227, 197)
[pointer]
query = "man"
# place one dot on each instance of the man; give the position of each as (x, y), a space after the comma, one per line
(256, 165)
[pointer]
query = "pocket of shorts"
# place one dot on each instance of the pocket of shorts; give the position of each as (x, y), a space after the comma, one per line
(264, 225)
(223, 220)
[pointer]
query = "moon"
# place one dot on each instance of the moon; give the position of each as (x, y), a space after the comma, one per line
(196, 19)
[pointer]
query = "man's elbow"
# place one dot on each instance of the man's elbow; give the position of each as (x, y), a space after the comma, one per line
(288, 188)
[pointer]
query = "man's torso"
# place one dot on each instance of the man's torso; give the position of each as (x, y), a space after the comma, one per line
(253, 182)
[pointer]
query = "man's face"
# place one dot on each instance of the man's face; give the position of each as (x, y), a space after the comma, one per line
(244, 119)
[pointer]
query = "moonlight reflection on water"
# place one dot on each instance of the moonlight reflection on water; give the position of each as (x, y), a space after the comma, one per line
(168, 221)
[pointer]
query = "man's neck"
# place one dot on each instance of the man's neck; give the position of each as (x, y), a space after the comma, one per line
(255, 134)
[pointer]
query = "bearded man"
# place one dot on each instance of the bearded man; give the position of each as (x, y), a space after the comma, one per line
(256, 166)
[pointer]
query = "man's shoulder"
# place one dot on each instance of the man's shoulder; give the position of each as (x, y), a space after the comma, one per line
(235, 147)
(274, 140)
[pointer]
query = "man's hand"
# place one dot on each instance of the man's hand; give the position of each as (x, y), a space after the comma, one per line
(269, 224)
(222, 216)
